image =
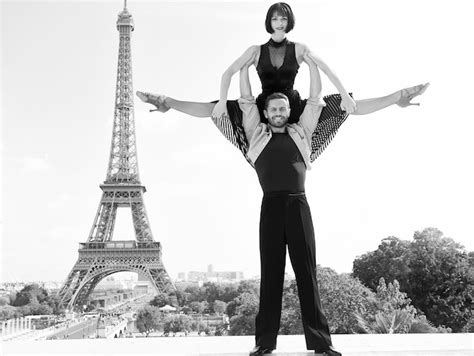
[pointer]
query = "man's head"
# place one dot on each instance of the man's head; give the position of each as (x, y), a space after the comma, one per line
(277, 110)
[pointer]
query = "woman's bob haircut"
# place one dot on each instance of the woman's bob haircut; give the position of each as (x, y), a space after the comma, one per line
(282, 9)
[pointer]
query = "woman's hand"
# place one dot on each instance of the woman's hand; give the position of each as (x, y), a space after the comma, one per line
(348, 104)
(220, 109)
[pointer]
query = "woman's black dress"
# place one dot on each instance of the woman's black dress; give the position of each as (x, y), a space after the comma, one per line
(277, 68)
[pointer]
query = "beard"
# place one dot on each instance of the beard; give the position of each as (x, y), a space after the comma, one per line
(278, 121)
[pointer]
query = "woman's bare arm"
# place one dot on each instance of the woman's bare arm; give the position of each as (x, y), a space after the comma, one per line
(348, 103)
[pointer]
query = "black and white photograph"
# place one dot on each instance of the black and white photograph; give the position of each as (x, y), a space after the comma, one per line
(236, 177)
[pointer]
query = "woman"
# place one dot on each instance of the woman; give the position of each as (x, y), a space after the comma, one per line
(277, 63)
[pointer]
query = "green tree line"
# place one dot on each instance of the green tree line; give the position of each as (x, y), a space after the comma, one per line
(422, 285)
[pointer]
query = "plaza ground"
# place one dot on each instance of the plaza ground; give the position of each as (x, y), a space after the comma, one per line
(352, 345)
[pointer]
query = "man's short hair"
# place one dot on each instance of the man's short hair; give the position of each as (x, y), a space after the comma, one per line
(282, 9)
(276, 96)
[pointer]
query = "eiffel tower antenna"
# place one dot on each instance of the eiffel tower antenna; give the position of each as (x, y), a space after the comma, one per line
(100, 256)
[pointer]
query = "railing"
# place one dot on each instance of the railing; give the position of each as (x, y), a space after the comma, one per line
(119, 245)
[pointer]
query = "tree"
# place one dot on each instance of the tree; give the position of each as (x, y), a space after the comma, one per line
(249, 286)
(212, 291)
(439, 269)
(342, 296)
(54, 302)
(8, 312)
(243, 323)
(160, 300)
(4, 301)
(177, 323)
(290, 320)
(199, 307)
(35, 300)
(432, 269)
(40, 309)
(182, 296)
(219, 307)
(148, 319)
(196, 307)
(195, 293)
(231, 308)
(390, 261)
(199, 326)
(31, 293)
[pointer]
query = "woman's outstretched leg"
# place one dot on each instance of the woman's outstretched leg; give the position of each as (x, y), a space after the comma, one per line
(401, 97)
(164, 103)
(190, 108)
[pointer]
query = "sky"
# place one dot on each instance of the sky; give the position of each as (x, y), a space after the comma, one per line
(390, 173)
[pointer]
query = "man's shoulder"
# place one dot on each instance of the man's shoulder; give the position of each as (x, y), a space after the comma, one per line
(296, 126)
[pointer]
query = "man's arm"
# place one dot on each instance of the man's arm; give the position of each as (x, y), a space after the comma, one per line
(251, 117)
(347, 103)
(245, 87)
(310, 116)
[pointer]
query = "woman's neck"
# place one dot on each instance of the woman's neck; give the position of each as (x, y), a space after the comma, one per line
(278, 37)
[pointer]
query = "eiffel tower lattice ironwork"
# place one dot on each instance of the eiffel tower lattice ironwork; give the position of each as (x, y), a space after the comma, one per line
(100, 257)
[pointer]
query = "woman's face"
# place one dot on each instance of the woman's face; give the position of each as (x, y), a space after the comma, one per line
(279, 22)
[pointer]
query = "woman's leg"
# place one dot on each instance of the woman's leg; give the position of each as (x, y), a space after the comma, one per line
(190, 108)
(400, 97)
(164, 103)
(367, 106)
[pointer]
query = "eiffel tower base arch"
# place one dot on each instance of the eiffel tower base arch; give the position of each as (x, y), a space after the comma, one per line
(98, 260)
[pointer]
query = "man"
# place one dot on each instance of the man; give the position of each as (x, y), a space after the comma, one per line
(280, 153)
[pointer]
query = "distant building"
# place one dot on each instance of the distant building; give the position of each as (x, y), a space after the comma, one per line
(143, 285)
(113, 283)
(213, 276)
(110, 299)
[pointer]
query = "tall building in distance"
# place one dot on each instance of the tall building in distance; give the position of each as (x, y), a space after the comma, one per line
(101, 256)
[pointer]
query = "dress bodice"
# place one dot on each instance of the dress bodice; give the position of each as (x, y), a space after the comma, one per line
(277, 66)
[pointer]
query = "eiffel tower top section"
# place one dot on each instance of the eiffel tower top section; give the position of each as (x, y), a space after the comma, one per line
(125, 18)
(123, 161)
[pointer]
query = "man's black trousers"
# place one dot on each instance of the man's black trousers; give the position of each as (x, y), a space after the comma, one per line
(285, 219)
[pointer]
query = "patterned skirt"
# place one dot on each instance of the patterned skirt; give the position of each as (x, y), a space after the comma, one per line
(331, 118)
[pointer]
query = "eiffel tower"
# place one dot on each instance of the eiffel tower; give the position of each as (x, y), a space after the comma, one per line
(100, 257)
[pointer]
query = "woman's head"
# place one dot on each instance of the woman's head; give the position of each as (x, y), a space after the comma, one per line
(283, 10)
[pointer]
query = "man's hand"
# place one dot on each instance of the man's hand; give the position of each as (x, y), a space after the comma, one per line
(348, 104)
(220, 109)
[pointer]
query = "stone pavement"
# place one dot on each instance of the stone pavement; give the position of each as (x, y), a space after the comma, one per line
(349, 345)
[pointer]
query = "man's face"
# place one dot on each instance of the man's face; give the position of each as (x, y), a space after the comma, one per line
(277, 112)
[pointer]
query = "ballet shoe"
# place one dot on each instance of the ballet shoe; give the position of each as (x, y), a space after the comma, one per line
(407, 94)
(157, 101)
